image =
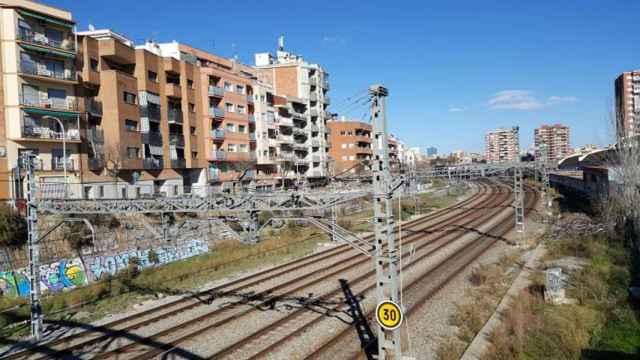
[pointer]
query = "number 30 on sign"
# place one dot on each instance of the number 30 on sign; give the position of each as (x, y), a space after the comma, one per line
(389, 315)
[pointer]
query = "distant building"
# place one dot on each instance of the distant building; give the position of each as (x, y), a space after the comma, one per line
(432, 151)
(556, 137)
(502, 145)
(627, 92)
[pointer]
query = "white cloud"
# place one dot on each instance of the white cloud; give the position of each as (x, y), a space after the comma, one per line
(456, 109)
(334, 39)
(514, 100)
(554, 100)
(525, 100)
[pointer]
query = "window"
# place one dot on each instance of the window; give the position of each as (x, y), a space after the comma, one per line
(344, 146)
(242, 129)
(129, 98)
(190, 83)
(100, 191)
(133, 152)
(153, 76)
(231, 147)
(193, 130)
(228, 107)
(230, 127)
(93, 63)
(342, 132)
(241, 109)
(54, 36)
(55, 67)
(194, 154)
(192, 107)
(131, 125)
(240, 89)
(30, 95)
(228, 86)
(243, 148)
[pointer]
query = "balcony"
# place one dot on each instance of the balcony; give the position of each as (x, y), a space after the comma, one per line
(252, 137)
(285, 138)
(175, 116)
(314, 128)
(116, 51)
(36, 38)
(299, 116)
(96, 164)
(301, 162)
(325, 85)
(299, 132)
(94, 107)
(216, 112)
(283, 121)
(59, 164)
(313, 97)
(313, 80)
(315, 158)
(152, 138)
(250, 99)
(176, 140)
(152, 163)
(286, 156)
(217, 134)
(315, 142)
(251, 118)
(216, 91)
(178, 163)
(301, 147)
(95, 135)
(151, 112)
(54, 104)
(45, 132)
(173, 90)
(217, 155)
(327, 100)
(36, 69)
(313, 112)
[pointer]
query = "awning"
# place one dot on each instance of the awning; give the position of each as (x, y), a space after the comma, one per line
(155, 150)
(50, 112)
(48, 51)
(46, 18)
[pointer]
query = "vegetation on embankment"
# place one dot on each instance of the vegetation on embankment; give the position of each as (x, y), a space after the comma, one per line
(600, 324)
(117, 293)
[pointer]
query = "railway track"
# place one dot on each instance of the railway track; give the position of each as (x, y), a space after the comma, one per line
(415, 295)
(280, 333)
(73, 345)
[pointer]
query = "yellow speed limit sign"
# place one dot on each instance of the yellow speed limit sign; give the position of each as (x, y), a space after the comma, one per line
(389, 315)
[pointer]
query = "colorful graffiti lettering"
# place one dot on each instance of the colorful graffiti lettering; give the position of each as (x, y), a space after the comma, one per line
(68, 274)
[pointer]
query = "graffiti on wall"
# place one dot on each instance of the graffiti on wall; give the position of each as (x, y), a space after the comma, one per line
(100, 266)
(69, 274)
(55, 277)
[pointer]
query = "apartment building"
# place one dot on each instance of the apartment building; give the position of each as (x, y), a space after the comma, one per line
(502, 145)
(556, 138)
(226, 95)
(40, 107)
(303, 128)
(141, 118)
(351, 149)
(627, 107)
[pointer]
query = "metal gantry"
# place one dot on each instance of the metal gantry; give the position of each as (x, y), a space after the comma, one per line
(33, 245)
(386, 256)
(518, 201)
(543, 166)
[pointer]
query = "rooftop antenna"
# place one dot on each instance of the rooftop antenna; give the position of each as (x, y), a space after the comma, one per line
(281, 43)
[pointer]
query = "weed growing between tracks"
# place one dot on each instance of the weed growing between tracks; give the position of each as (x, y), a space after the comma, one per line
(600, 325)
(118, 293)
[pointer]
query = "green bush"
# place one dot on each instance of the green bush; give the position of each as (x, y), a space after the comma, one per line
(13, 228)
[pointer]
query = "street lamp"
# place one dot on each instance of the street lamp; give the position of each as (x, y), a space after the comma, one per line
(64, 149)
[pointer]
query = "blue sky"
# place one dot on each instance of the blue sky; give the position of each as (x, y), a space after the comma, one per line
(455, 69)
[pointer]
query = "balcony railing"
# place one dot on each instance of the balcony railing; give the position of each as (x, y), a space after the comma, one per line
(51, 103)
(315, 142)
(285, 138)
(216, 112)
(315, 158)
(152, 138)
(325, 85)
(214, 174)
(96, 163)
(249, 99)
(252, 136)
(95, 135)
(152, 163)
(251, 118)
(150, 112)
(58, 164)
(45, 132)
(33, 68)
(216, 91)
(313, 112)
(178, 163)
(285, 121)
(314, 128)
(217, 155)
(176, 139)
(327, 100)
(217, 134)
(175, 116)
(94, 107)
(41, 39)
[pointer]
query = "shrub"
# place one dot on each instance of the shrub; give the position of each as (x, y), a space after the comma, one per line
(13, 227)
